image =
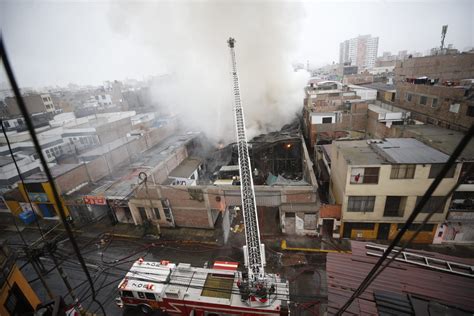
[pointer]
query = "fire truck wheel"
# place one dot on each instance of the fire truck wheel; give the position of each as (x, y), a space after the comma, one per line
(146, 309)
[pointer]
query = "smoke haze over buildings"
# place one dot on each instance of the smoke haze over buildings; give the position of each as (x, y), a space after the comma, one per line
(190, 41)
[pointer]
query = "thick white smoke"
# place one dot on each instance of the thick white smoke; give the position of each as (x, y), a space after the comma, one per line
(189, 41)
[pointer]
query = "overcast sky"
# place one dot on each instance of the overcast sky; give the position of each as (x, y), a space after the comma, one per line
(54, 43)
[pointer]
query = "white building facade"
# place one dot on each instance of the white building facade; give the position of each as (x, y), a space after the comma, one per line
(360, 51)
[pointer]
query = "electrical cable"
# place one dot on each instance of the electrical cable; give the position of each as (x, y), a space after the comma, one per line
(429, 192)
(415, 234)
(21, 178)
(49, 176)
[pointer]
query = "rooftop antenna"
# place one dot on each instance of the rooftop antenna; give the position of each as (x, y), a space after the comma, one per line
(444, 30)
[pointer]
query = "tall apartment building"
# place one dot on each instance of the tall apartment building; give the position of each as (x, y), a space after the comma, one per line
(360, 51)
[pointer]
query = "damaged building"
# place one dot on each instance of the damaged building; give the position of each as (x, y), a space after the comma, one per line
(285, 186)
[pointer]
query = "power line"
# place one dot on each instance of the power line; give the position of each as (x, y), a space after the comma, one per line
(49, 176)
(451, 161)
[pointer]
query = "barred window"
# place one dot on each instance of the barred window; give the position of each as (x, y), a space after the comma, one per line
(403, 172)
(361, 204)
(394, 206)
(435, 203)
(414, 227)
(436, 168)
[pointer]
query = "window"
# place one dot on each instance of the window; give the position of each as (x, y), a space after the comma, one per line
(414, 227)
(361, 204)
(435, 203)
(290, 214)
(408, 97)
(454, 108)
(402, 172)
(16, 303)
(470, 111)
(434, 102)
(309, 221)
(423, 100)
(150, 296)
(167, 210)
(436, 168)
(157, 212)
(142, 212)
(34, 187)
(365, 175)
(394, 206)
(127, 293)
(327, 120)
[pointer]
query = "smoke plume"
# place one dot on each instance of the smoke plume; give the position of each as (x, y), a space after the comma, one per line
(189, 42)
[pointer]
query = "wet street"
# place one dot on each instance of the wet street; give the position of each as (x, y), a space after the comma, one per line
(108, 258)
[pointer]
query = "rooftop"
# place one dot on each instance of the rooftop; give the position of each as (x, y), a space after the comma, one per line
(346, 271)
(358, 152)
(444, 140)
(380, 86)
(5, 160)
(390, 151)
(410, 150)
(149, 159)
(186, 168)
(56, 171)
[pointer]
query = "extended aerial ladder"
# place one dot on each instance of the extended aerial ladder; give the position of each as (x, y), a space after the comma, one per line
(254, 283)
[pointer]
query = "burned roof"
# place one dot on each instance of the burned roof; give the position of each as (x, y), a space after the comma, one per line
(345, 272)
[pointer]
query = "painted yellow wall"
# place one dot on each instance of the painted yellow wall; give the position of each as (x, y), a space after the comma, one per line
(341, 189)
(338, 175)
(17, 277)
(14, 207)
(49, 193)
(422, 238)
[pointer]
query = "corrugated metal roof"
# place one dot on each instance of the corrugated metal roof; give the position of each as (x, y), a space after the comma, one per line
(345, 272)
(409, 150)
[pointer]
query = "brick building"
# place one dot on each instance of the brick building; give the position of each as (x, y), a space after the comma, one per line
(450, 107)
(35, 103)
(332, 110)
(437, 89)
(284, 205)
(442, 67)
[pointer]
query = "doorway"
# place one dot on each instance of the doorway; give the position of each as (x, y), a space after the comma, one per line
(47, 210)
(383, 232)
(328, 227)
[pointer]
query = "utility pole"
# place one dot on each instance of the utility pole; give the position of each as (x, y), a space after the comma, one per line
(444, 30)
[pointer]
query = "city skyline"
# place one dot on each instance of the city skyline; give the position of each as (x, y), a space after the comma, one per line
(88, 43)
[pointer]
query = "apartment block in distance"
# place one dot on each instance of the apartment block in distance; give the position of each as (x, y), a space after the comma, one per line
(360, 51)
(379, 182)
(35, 103)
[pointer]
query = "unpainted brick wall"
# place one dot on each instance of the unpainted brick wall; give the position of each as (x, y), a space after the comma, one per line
(72, 179)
